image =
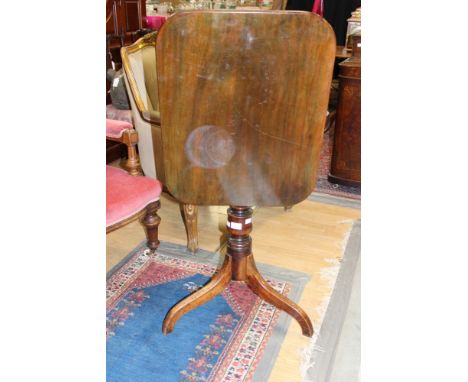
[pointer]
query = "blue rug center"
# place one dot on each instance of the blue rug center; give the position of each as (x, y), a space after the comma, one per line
(139, 352)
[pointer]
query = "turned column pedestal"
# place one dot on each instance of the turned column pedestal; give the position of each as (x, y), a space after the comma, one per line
(239, 265)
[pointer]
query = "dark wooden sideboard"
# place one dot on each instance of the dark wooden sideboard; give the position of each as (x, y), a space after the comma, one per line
(346, 159)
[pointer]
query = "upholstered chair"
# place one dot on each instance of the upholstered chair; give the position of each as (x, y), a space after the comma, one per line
(129, 197)
(139, 63)
(123, 132)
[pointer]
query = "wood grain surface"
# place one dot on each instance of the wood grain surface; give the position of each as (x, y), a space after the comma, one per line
(346, 159)
(307, 239)
(243, 101)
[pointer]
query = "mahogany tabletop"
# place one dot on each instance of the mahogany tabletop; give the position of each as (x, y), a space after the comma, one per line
(242, 117)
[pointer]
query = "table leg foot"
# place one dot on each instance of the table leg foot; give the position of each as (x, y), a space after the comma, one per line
(261, 288)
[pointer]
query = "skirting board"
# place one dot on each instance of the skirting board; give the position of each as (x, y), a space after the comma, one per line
(320, 362)
(335, 200)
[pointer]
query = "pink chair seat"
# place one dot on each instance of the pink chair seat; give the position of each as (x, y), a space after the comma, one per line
(126, 194)
(114, 128)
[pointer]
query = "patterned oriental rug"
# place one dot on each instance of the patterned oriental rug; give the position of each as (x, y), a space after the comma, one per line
(235, 337)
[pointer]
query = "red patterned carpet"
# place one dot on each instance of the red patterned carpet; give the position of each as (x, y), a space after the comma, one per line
(233, 338)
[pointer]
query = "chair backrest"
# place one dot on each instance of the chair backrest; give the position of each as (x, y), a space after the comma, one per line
(139, 63)
(243, 103)
(140, 59)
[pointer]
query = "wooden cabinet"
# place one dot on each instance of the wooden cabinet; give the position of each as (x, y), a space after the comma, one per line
(346, 159)
(124, 17)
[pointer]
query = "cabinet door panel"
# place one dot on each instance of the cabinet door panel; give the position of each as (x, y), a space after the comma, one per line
(112, 17)
(133, 11)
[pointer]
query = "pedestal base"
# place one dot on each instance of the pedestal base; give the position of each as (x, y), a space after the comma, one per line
(238, 265)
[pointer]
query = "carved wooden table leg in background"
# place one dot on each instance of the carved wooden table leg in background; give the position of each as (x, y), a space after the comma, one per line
(239, 265)
(190, 214)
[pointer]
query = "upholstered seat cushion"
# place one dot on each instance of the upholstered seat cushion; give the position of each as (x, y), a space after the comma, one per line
(126, 194)
(114, 128)
(121, 115)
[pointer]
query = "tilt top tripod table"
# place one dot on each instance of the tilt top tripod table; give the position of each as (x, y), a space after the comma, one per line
(243, 100)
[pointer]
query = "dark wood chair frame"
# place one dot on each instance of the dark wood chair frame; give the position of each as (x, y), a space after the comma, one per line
(150, 220)
(148, 216)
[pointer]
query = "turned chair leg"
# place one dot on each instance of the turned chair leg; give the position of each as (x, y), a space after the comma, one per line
(133, 163)
(190, 216)
(151, 222)
(238, 265)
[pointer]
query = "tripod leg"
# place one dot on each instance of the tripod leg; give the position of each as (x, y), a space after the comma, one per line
(260, 287)
(214, 287)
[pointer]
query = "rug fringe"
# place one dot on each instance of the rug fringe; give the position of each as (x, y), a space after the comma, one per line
(329, 275)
